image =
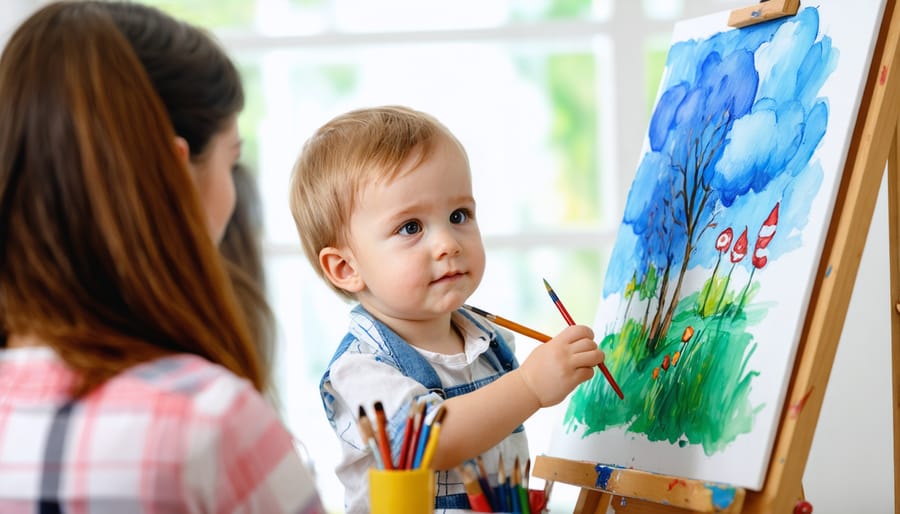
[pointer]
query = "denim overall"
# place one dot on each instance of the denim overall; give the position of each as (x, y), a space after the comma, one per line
(399, 354)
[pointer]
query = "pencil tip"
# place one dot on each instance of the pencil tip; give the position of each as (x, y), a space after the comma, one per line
(362, 411)
(379, 406)
(547, 284)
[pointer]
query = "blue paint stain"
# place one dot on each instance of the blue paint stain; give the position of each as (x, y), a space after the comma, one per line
(756, 14)
(722, 496)
(828, 271)
(603, 474)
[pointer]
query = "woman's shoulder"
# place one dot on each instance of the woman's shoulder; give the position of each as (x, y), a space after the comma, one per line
(184, 380)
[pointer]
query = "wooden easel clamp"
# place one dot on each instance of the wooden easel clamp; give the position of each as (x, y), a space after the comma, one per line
(766, 10)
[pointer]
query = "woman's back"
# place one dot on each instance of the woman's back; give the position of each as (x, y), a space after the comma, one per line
(163, 436)
(129, 380)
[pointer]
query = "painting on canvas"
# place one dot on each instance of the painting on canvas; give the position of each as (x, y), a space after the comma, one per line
(707, 287)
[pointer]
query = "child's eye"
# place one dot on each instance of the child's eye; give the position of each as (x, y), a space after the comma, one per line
(410, 227)
(459, 216)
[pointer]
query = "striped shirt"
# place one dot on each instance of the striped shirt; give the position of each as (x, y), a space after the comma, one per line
(176, 435)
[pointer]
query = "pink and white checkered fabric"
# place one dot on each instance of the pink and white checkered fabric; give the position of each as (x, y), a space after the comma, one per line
(177, 435)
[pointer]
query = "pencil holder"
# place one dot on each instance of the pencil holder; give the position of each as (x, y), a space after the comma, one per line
(401, 491)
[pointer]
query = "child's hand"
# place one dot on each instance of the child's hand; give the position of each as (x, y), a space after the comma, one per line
(554, 368)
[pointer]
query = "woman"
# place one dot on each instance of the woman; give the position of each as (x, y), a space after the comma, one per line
(128, 376)
(203, 95)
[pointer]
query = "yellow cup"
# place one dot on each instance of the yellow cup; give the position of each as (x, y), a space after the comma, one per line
(401, 491)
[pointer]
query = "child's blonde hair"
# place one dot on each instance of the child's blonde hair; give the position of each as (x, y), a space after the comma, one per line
(349, 152)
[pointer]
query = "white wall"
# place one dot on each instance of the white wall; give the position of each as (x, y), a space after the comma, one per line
(12, 12)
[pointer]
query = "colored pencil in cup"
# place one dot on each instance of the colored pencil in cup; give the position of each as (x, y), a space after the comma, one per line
(477, 501)
(485, 484)
(418, 421)
(433, 435)
(515, 499)
(503, 501)
(568, 317)
(384, 445)
(368, 436)
(523, 491)
(407, 436)
(420, 445)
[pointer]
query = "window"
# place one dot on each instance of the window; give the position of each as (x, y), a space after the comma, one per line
(549, 97)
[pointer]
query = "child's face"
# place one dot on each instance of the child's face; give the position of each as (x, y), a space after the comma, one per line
(415, 243)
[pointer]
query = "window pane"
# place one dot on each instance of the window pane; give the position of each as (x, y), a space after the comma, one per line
(663, 9)
(304, 17)
(527, 114)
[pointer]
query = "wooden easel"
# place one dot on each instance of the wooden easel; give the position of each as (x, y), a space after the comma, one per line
(876, 141)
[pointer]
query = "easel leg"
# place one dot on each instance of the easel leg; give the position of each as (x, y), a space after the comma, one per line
(894, 226)
(592, 502)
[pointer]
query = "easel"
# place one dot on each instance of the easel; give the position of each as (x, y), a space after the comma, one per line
(876, 141)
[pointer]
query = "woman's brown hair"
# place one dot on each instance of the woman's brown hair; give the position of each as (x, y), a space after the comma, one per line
(104, 252)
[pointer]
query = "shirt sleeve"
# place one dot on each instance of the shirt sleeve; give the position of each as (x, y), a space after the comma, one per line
(242, 458)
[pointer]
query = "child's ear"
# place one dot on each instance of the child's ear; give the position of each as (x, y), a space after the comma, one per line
(337, 266)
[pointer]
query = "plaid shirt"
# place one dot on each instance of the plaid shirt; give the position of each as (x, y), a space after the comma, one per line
(176, 435)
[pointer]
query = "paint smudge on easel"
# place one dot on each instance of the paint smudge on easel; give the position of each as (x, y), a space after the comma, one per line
(722, 496)
(797, 407)
(676, 482)
(603, 474)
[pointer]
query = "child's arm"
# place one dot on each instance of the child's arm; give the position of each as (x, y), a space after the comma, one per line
(479, 420)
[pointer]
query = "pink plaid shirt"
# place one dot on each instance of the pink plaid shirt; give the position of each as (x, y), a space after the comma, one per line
(176, 435)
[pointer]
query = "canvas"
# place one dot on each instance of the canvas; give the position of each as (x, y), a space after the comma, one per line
(710, 277)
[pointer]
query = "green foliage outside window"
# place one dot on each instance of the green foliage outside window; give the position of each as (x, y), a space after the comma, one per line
(212, 14)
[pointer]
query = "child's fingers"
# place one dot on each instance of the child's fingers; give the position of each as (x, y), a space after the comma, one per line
(587, 359)
(583, 345)
(583, 374)
(575, 332)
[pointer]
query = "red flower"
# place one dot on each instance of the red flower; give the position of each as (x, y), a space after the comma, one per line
(766, 233)
(724, 240)
(767, 230)
(740, 247)
(760, 258)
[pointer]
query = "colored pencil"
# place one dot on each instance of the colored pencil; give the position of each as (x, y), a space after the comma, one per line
(420, 445)
(407, 435)
(414, 437)
(433, 435)
(383, 443)
(368, 436)
(502, 488)
(485, 484)
(570, 321)
(477, 501)
(523, 490)
(515, 499)
(512, 325)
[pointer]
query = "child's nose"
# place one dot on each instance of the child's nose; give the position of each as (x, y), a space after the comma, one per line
(446, 243)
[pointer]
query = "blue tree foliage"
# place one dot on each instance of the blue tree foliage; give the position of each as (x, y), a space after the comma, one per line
(734, 131)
